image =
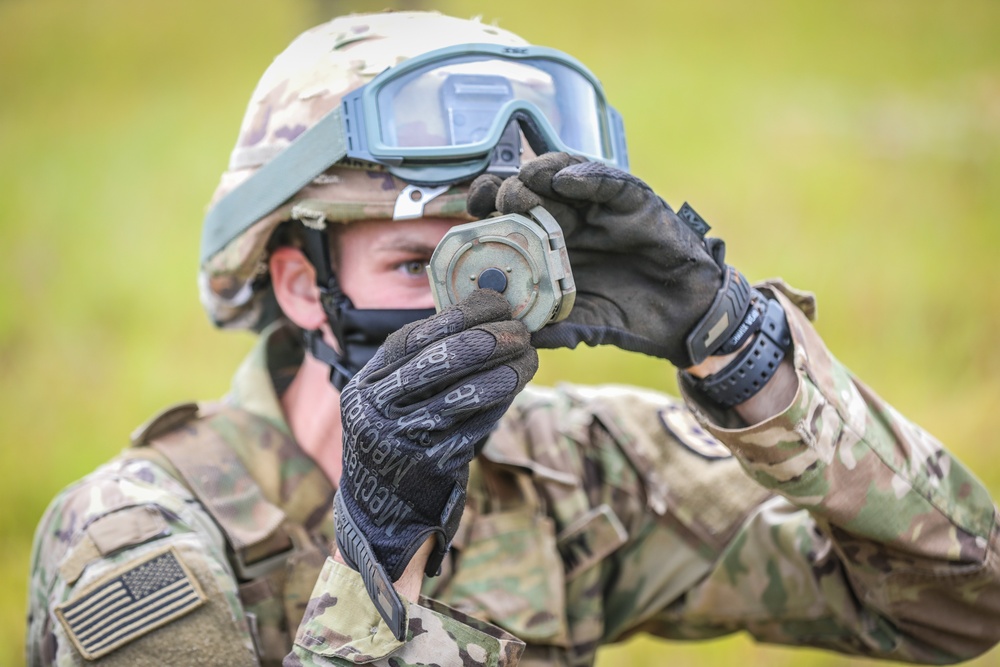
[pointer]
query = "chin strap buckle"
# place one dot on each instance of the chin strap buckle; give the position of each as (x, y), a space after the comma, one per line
(340, 375)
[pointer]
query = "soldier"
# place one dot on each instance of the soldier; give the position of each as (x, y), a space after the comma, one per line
(381, 486)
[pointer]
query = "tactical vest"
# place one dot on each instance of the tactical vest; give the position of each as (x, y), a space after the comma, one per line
(535, 532)
(274, 560)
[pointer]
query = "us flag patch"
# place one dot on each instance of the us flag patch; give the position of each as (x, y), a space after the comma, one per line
(129, 603)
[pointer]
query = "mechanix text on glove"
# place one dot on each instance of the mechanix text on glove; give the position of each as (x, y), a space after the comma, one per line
(413, 418)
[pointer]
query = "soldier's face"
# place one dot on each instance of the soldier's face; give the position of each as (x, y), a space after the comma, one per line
(382, 263)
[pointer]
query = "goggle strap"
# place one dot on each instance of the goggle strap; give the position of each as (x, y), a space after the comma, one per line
(313, 152)
(532, 133)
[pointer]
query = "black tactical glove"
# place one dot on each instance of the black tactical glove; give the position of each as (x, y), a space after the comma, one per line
(413, 418)
(645, 280)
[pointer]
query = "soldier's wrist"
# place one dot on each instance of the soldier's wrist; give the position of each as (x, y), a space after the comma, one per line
(714, 364)
(409, 583)
(774, 398)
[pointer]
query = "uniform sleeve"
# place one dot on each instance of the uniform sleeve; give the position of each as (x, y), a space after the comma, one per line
(127, 569)
(342, 627)
(876, 542)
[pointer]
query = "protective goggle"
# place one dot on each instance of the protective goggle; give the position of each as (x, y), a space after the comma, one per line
(439, 118)
(446, 116)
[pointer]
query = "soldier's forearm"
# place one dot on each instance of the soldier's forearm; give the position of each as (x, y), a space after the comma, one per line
(773, 399)
(915, 531)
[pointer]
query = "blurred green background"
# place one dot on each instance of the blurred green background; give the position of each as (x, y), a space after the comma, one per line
(852, 147)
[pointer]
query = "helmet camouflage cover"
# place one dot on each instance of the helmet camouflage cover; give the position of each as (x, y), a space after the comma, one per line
(303, 84)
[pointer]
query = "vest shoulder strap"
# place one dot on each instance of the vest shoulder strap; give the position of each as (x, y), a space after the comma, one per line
(188, 436)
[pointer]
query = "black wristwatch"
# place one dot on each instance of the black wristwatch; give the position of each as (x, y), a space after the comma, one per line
(747, 374)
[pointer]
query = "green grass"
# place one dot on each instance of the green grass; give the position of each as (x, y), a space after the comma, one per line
(852, 147)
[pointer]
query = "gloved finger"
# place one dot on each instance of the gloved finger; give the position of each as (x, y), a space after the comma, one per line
(450, 446)
(458, 358)
(533, 184)
(592, 320)
(472, 405)
(482, 199)
(570, 334)
(495, 382)
(450, 423)
(599, 183)
(537, 174)
(515, 197)
(479, 307)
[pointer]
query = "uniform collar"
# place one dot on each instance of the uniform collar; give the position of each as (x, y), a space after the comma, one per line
(287, 475)
(266, 373)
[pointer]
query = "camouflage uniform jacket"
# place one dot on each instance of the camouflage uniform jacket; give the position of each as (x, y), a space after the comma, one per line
(594, 513)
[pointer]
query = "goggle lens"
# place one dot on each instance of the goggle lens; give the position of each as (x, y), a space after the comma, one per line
(468, 100)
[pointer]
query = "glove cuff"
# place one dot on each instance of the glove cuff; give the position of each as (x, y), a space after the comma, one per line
(450, 517)
(752, 321)
(723, 318)
(358, 554)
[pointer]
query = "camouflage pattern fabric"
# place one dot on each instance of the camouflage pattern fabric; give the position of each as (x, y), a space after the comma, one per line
(593, 514)
(361, 637)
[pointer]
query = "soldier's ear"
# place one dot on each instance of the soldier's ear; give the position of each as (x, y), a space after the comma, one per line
(294, 282)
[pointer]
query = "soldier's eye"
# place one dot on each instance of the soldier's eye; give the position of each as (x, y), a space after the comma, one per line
(414, 268)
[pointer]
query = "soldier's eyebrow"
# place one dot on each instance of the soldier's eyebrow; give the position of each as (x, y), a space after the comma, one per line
(405, 243)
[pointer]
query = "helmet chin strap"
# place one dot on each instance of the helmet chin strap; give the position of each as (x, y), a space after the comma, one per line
(359, 332)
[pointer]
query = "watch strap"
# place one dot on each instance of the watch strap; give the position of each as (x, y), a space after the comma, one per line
(747, 374)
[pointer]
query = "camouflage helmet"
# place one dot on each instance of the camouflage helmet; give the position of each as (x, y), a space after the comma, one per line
(303, 84)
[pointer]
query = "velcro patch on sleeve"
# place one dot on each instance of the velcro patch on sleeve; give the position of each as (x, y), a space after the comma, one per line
(130, 602)
(679, 421)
